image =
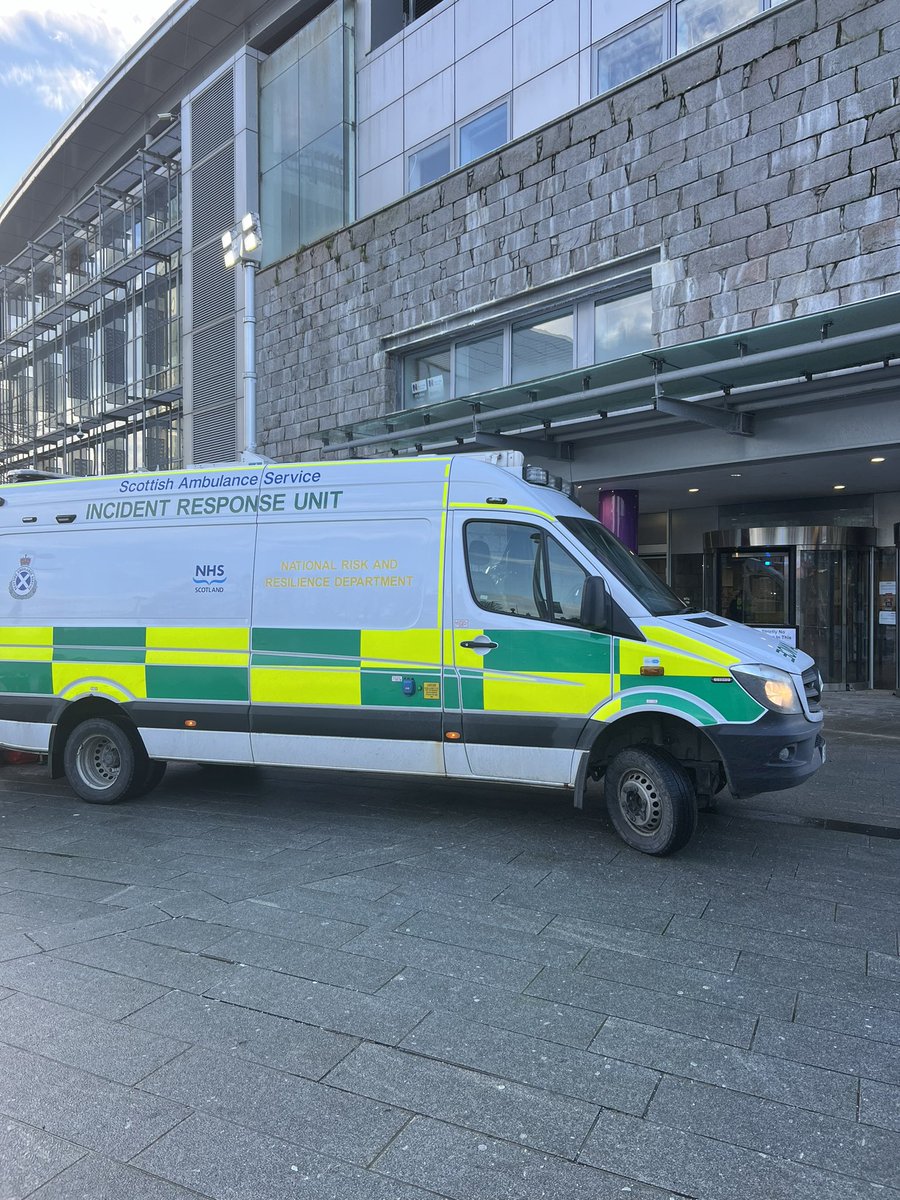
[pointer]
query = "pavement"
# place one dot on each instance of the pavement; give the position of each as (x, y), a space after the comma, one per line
(252, 985)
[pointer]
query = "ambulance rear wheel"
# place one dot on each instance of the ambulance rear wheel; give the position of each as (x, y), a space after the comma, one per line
(651, 800)
(102, 763)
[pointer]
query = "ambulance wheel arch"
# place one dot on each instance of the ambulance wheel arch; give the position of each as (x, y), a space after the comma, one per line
(686, 744)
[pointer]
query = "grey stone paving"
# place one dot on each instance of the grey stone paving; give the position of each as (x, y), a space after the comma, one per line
(275, 985)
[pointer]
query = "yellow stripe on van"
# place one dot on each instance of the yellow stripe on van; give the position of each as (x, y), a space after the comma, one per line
(301, 685)
(383, 647)
(632, 656)
(198, 637)
(26, 635)
(195, 658)
(504, 508)
(550, 694)
(680, 641)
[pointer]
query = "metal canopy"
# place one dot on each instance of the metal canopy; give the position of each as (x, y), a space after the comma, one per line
(672, 381)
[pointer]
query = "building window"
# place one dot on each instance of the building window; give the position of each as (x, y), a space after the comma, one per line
(466, 141)
(426, 377)
(696, 21)
(429, 163)
(622, 326)
(631, 53)
(484, 133)
(595, 330)
(479, 365)
(543, 347)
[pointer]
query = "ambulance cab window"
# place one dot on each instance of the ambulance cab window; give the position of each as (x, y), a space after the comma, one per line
(518, 570)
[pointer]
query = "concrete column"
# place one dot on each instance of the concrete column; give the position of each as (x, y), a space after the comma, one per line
(619, 513)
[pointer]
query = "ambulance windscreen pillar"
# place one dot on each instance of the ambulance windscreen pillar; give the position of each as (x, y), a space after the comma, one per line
(619, 510)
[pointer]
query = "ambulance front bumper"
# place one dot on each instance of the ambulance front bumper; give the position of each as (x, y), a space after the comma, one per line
(775, 753)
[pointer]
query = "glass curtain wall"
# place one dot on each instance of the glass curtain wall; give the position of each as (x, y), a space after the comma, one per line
(90, 335)
(305, 134)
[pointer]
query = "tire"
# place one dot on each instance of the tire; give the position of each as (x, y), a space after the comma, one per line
(153, 776)
(651, 800)
(103, 764)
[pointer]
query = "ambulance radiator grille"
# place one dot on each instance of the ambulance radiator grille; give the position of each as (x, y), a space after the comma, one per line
(812, 686)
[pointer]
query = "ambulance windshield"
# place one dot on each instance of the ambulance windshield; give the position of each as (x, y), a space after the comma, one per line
(657, 597)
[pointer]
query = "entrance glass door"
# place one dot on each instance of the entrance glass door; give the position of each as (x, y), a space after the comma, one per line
(755, 586)
(833, 606)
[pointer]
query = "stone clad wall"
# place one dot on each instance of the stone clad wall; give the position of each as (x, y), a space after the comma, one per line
(764, 167)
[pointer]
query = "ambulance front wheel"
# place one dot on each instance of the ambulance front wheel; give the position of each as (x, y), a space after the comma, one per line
(651, 800)
(103, 764)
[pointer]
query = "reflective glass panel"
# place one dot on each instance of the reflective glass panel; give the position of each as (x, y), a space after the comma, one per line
(699, 20)
(544, 347)
(279, 118)
(634, 52)
(622, 327)
(483, 135)
(505, 569)
(479, 365)
(428, 164)
(322, 190)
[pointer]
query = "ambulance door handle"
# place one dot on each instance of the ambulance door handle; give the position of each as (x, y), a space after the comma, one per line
(479, 643)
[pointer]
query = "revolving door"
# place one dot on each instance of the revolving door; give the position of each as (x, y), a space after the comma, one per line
(811, 585)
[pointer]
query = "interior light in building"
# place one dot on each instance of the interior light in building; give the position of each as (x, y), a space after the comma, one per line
(839, 487)
(879, 458)
(693, 490)
(735, 474)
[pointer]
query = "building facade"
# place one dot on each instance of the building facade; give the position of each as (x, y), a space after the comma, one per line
(655, 246)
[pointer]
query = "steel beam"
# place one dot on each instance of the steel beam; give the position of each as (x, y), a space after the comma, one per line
(738, 423)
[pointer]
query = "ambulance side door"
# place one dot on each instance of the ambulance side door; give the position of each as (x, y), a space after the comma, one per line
(529, 674)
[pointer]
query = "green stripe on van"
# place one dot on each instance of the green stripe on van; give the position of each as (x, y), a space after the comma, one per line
(98, 654)
(325, 643)
(197, 683)
(35, 678)
(103, 635)
(558, 651)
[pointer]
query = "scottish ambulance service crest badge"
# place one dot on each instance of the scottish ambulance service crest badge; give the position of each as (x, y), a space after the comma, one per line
(23, 584)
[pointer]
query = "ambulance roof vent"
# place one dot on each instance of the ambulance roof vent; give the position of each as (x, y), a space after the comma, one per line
(708, 622)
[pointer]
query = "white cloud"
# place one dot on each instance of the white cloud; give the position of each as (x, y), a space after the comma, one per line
(111, 26)
(59, 88)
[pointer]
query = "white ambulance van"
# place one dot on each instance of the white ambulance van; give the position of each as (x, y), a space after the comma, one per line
(431, 616)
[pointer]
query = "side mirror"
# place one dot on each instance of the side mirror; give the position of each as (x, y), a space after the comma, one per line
(596, 604)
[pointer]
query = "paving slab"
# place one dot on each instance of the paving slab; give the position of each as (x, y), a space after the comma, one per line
(107, 1048)
(677, 1054)
(560, 1069)
(680, 1014)
(839, 1146)
(273, 1041)
(525, 1115)
(339, 967)
(97, 1178)
(232, 1162)
(459, 1165)
(825, 1048)
(519, 1013)
(879, 1104)
(82, 1108)
(136, 959)
(335, 1122)
(380, 1019)
(706, 1167)
(29, 1156)
(85, 988)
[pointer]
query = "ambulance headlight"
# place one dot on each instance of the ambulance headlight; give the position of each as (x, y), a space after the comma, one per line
(769, 686)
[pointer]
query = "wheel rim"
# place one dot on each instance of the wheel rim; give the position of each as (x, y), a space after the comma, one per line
(98, 762)
(640, 803)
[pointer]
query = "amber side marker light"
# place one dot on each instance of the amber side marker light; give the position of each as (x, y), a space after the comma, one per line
(453, 736)
(653, 670)
(189, 724)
